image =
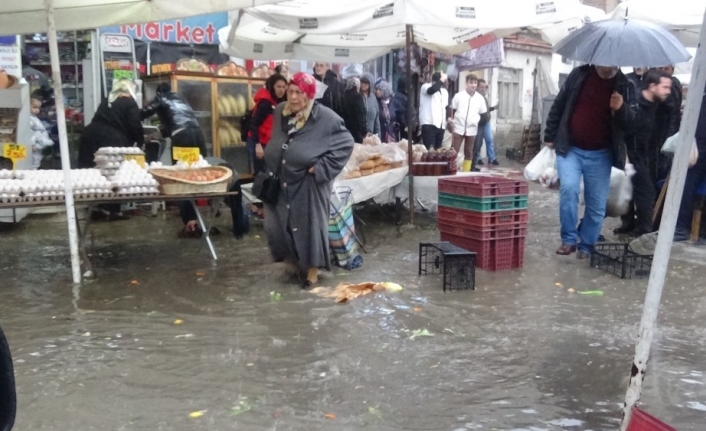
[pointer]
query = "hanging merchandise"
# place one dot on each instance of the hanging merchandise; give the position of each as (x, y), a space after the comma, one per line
(117, 56)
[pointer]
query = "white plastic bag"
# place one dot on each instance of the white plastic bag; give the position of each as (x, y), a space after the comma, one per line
(670, 147)
(620, 194)
(550, 179)
(541, 162)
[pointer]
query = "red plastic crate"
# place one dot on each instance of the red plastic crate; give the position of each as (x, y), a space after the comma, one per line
(494, 254)
(479, 219)
(482, 186)
(483, 234)
(641, 421)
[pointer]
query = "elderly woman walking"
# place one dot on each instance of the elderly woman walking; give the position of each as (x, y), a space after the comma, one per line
(308, 149)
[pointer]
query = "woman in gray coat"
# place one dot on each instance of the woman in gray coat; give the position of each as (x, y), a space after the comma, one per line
(308, 149)
(371, 104)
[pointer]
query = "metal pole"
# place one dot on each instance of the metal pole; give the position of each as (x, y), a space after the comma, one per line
(63, 142)
(667, 227)
(410, 118)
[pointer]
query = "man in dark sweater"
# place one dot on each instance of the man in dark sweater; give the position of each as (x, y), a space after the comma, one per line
(656, 86)
(587, 125)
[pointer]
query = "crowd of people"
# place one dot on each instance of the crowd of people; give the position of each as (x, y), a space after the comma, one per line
(601, 119)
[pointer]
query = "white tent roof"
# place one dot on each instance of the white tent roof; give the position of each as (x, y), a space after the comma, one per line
(356, 31)
(28, 16)
(682, 18)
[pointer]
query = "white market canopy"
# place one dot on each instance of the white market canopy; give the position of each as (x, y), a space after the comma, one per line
(30, 16)
(683, 18)
(357, 31)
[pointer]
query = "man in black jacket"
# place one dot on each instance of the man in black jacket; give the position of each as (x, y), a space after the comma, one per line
(353, 111)
(667, 121)
(586, 126)
(656, 86)
(178, 122)
(176, 119)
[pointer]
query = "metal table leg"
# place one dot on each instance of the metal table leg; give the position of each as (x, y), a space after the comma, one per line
(82, 237)
(206, 229)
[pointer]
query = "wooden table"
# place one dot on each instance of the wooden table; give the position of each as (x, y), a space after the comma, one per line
(91, 203)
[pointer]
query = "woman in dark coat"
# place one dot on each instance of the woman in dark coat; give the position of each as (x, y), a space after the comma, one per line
(308, 149)
(354, 110)
(383, 92)
(116, 123)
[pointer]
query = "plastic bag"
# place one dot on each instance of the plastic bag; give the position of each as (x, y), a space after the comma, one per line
(620, 195)
(550, 179)
(670, 147)
(541, 162)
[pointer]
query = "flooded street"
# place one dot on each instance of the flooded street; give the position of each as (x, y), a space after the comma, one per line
(164, 332)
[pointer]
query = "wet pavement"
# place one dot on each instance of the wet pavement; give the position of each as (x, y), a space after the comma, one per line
(164, 332)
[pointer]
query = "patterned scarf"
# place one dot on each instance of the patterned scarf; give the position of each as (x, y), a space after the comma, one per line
(296, 122)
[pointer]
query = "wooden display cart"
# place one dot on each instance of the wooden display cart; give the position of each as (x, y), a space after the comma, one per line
(219, 103)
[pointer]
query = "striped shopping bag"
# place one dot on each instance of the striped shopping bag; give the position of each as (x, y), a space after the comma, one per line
(341, 230)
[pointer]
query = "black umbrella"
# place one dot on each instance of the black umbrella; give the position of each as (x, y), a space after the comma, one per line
(623, 43)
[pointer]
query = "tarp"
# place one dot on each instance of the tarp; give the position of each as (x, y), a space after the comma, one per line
(682, 18)
(357, 31)
(29, 16)
(545, 86)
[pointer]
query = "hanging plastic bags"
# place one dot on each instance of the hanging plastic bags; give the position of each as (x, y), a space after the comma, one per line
(540, 163)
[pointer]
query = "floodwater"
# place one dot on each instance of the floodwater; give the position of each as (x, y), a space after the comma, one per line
(255, 352)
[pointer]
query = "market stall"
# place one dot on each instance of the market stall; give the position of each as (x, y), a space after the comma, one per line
(121, 176)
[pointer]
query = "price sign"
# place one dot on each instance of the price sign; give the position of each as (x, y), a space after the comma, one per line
(186, 154)
(14, 152)
(123, 74)
(139, 158)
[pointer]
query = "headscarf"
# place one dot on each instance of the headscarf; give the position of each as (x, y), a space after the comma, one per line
(352, 83)
(384, 86)
(122, 88)
(306, 83)
(270, 86)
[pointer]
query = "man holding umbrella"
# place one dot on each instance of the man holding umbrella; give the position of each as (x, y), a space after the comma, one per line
(593, 113)
(587, 126)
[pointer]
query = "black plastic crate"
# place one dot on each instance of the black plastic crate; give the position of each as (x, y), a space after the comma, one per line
(618, 259)
(458, 266)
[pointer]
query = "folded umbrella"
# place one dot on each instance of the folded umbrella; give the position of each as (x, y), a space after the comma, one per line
(623, 43)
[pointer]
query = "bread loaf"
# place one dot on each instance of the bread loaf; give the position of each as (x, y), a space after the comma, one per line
(366, 172)
(367, 165)
(381, 168)
(354, 174)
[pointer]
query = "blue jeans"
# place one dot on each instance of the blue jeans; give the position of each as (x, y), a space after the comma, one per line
(489, 143)
(594, 167)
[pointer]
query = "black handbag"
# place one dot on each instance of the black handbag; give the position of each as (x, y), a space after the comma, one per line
(265, 187)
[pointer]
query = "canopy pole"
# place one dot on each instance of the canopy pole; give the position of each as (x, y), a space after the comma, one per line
(410, 118)
(63, 142)
(663, 249)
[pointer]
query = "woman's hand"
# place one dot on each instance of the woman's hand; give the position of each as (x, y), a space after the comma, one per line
(311, 170)
(259, 151)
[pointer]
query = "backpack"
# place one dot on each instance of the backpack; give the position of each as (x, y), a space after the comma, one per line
(245, 124)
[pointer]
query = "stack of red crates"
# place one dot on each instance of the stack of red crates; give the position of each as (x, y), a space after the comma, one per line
(487, 215)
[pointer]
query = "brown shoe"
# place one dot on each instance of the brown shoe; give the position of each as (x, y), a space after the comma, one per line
(565, 249)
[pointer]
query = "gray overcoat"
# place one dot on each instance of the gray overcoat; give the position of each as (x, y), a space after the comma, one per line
(297, 226)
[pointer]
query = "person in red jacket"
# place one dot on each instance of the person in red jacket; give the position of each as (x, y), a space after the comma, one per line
(260, 130)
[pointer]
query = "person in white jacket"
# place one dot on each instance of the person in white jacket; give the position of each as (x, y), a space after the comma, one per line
(433, 101)
(40, 137)
(469, 111)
